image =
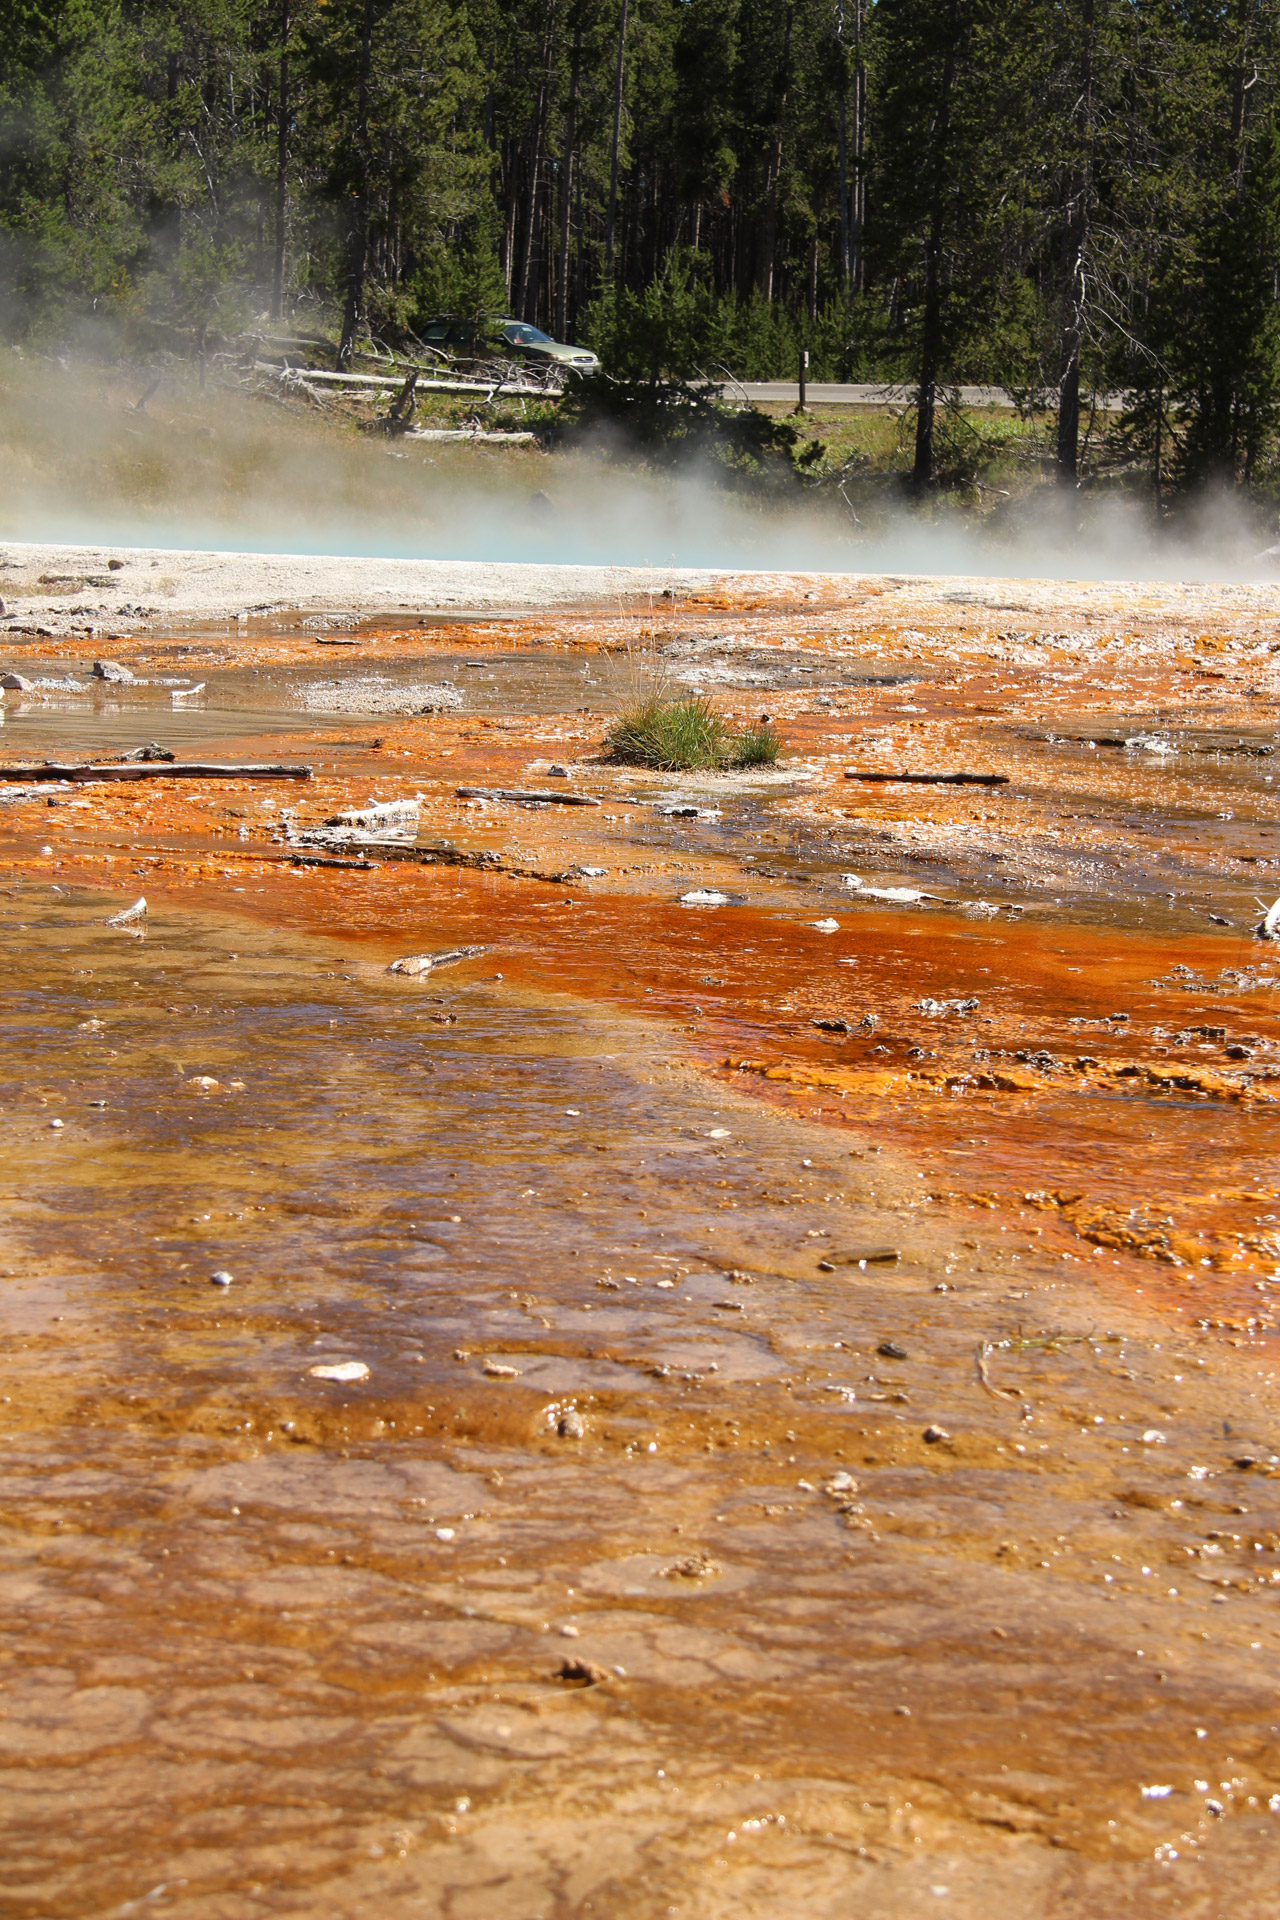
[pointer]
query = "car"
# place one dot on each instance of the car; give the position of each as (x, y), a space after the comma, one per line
(506, 339)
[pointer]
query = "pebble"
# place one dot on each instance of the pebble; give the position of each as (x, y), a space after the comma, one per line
(55, 1124)
(1153, 1437)
(495, 1370)
(445, 1533)
(704, 897)
(221, 1278)
(890, 1350)
(585, 1672)
(112, 670)
(934, 1434)
(825, 926)
(571, 1425)
(341, 1370)
(16, 683)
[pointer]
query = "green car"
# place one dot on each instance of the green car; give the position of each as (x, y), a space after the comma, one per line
(507, 340)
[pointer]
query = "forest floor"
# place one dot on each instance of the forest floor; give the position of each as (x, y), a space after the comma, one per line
(694, 1512)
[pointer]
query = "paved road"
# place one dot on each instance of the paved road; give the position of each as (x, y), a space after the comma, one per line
(830, 393)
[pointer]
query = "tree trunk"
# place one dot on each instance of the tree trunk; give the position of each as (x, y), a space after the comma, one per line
(1075, 284)
(535, 168)
(850, 144)
(282, 165)
(611, 216)
(509, 220)
(566, 186)
(842, 154)
(858, 211)
(922, 473)
(769, 247)
(358, 254)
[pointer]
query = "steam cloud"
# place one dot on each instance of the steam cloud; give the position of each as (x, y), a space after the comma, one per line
(218, 470)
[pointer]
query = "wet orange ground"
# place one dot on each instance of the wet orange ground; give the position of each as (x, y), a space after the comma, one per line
(285, 1645)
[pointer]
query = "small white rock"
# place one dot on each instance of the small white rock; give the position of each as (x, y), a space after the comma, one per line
(445, 1533)
(341, 1370)
(221, 1278)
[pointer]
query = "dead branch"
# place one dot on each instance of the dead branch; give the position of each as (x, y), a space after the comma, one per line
(166, 770)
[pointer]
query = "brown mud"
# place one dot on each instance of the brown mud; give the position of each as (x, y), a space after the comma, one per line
(818, 1450)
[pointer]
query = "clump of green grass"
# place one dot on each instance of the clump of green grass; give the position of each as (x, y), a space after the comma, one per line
(759, 746)
(684, 734)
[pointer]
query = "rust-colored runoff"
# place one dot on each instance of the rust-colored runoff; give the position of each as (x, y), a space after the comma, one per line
(753, 1403)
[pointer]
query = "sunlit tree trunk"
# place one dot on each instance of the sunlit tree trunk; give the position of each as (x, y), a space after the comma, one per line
(358, 253)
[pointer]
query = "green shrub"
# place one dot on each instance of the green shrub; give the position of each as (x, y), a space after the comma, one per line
(684, 734)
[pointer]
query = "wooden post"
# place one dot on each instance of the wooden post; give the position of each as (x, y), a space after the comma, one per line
(804, 376)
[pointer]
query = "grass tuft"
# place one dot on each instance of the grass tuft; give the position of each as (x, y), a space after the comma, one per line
(684, 734)
(759, 746)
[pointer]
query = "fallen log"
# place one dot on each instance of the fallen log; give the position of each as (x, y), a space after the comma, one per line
(519, 794)
(484, 389)
(933, 779)
(164, 770)
(323, 860)
(521, 439)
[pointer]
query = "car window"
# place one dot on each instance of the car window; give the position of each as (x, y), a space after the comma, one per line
(437, 333)
(520, 335)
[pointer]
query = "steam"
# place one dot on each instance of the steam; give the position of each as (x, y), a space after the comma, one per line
(83, 463)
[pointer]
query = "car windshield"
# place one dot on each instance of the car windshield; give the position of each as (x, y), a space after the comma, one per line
(522, 336)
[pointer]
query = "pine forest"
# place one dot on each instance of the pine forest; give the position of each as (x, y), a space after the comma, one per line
(1068, 199)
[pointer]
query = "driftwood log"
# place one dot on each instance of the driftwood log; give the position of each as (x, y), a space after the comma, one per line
(934, 779)
(519, 793)
(162, 770)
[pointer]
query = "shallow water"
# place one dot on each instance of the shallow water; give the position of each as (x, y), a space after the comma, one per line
(269, 1632)
(602, 1213)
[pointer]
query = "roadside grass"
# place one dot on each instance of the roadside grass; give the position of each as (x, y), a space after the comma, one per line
(683, 733)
